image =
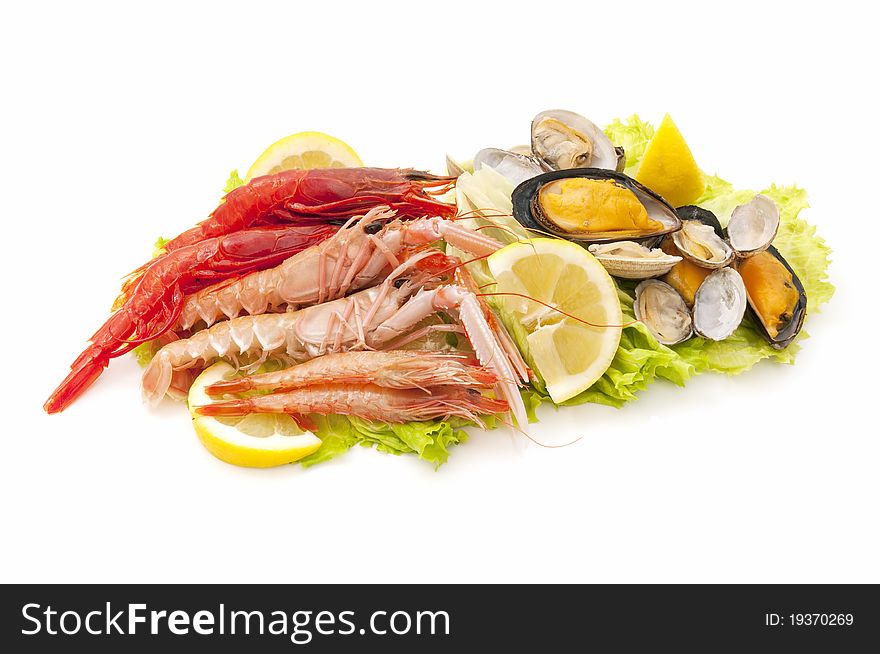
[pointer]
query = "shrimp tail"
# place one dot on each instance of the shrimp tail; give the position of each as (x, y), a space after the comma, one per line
(227, 408)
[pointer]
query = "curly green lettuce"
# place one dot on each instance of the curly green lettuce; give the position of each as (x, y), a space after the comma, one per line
(429, 440)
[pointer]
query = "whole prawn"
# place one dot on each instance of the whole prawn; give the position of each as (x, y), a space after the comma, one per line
(371, 402)
(156, 300)
(322, 195)
(389, 369)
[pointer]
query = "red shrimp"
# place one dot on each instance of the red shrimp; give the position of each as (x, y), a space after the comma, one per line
(322, 195)
(153, 304)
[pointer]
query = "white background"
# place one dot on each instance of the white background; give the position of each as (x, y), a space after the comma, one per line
(120, 124)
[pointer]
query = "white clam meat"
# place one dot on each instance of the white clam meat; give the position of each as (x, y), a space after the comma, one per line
(663, 311)
(700, 244)
(564, 139)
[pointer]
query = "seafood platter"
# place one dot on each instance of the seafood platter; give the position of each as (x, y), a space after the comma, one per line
(325, 304)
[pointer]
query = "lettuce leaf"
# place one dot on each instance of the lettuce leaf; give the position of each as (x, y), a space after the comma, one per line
(428, 440)
(633, 135)
(233, 182)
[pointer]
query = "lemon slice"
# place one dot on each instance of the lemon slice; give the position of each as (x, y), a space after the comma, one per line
(304, 150)
(258, 440)
(570, 354)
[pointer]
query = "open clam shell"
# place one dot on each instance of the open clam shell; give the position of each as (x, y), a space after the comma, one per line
(777, 299)
(700, 239)
(592, 205)
(753, 226)
(515, 167)
(663, 311)
(563, 139)
(631, 260)
(719, 304)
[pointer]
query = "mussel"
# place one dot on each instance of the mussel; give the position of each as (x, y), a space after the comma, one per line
(663, 311)
(563, 139)
(515, 167)
(592, 205)
(753, 226)
(719, 304)
(777, 299)
(631, 260)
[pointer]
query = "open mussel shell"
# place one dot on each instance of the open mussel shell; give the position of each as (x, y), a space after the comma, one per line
(515, 167)
(631, 260)
(663, 311)
(719, 304)
(777, 299)
(563, 139)
(701, 239)
(753, 226)
(617, 209)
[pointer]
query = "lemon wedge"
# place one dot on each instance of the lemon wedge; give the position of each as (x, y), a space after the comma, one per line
(259, 440)
(669, 168)
(573, 346)
(304, 150)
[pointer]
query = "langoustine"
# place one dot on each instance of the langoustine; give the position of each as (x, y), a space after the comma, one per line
(371, 402)
(369, 319)
(359, 255)
(388, 369)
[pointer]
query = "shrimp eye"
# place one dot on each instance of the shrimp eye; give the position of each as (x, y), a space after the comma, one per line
(373, 227)
(399, 282)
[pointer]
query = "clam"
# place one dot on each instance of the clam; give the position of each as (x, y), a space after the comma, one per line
(753, 226)
(564, 139)
(719, 304)
(663, 311)
(515, 167)
(631, 260)
(700, 239)
(777, 299)
(592, 205)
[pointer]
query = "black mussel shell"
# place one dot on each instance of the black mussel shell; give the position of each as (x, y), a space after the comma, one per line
(526, 212)
(788, 333)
